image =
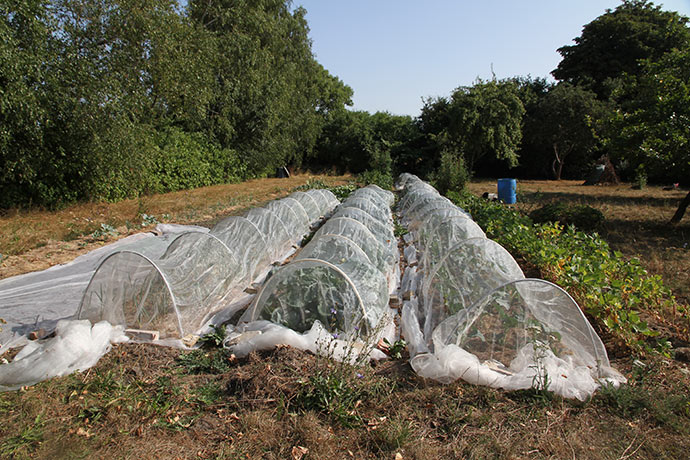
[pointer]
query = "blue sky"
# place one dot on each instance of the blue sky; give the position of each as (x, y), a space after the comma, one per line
(394, 52)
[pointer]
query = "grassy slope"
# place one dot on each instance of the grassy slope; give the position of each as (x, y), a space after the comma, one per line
(146, 402)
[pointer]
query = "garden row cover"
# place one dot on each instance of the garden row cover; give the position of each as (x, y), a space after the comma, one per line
(475, 316)
(334, 294)
(172, 289)
(199, 273)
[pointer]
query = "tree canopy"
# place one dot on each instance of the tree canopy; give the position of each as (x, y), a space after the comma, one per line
(106, 99)
(616, 42)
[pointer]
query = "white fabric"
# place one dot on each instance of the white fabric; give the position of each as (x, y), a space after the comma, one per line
(77, 346)
(264, 335)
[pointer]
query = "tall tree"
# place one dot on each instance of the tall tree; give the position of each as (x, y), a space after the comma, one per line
(652, 128)
(615, 42)
(564, 120)
(485, 120)
(25, 34)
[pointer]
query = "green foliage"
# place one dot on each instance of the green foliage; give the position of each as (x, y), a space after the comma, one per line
(341, 192)
(564, 120)
(670, 409)
(24, 442)
(105, 100)
(398, 229)
(609, 288)
(652, 127)
(310, 184)
(451, 174)
(382, 179)
(205, 362)
(614, 43)
(213, 339)
(640, 177)
(395, 349)
(332, 392)
(581, 216)
(209, 393)
(357, 141)
(483, 120)
(105, 231)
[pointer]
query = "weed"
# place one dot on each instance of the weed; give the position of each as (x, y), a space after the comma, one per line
(208, 394)
(159, 401)
(147, 220)
(393, 435)
(205, 362)
(213, 339)
(334, 393)
(664, 407)
(395, 350)
(581, 216)
(342, 192)
(310, 184)
(91, 414)
(399, 230)
(26, 441)
(105, 231)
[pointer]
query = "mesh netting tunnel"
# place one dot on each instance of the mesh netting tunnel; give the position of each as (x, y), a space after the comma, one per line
(199, 273)
(340, 279)
(464, 274)
(169, 294)
(523, 334)
(476, 317)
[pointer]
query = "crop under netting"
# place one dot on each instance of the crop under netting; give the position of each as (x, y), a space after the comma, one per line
(474, 316)
(200, 273)
(339, 282)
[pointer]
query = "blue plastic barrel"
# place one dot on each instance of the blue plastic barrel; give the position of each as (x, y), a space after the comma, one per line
(506, 190)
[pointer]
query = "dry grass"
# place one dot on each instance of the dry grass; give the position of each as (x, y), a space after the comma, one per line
(636, 222)
(37, 239)
(141, 402)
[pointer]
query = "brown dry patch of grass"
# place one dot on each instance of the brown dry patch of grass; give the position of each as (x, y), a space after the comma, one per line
(142, 402)
(636, 222)
(37, 239)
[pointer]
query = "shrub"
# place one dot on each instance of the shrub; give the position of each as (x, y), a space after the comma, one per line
(451, 175)
(380, 178)
(581, 216)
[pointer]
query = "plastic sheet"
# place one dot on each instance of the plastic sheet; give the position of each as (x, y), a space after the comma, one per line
(39, 299)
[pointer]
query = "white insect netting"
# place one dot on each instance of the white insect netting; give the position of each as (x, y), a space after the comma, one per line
(477, 318)
(379, 253)
(199, 273)
(338, 283)
(467, 272)
(244, 237)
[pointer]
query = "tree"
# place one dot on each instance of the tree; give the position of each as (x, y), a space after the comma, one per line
(653, 124)
(564, 120)
(484, 120)
(615, 42)
(24, 56)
